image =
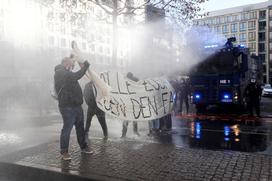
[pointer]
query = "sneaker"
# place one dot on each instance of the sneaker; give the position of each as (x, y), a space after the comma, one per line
(105, 138)
(123, 136)
(66, 157)
(87, 150)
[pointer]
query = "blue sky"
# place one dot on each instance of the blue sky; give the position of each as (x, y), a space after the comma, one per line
(213, 5)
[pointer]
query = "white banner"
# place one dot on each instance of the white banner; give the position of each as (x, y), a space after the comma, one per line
(136, 101)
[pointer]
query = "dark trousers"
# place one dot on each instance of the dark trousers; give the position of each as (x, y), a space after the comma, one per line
(72, 116)
(165, 122)
(100, 116)
(186, 101)
(254, 105)
(125, 126)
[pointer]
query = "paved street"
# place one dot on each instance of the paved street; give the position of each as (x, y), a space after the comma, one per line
(197, 148)
(134, 160)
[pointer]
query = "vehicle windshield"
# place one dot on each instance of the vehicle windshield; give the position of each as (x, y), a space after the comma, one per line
(267, 86)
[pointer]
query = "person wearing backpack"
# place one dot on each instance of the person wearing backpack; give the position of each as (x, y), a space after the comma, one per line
(90, 99)
(70, 101)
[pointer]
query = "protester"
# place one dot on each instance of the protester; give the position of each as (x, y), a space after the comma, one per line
(153, 126)
(90, 99)
(125, 123)
(184, 91)
(70, 99)
(253, 93)
(175, 85)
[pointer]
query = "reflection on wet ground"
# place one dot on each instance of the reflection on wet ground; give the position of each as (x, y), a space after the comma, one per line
(246, 136)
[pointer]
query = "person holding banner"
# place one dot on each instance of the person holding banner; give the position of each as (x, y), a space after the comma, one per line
(70, 99)
(90, 94)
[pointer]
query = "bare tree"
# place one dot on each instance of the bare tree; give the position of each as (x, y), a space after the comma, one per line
(179, 10)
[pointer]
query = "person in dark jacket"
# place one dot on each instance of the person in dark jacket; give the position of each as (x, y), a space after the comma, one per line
(90, 99)
(184, 92)
(70, 99)
(253, 93)
(125, 123)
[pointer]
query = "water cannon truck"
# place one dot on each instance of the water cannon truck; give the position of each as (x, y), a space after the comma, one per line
(221, 78)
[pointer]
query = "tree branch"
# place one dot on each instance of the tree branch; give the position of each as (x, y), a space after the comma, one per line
(101, 6)
(167, 4)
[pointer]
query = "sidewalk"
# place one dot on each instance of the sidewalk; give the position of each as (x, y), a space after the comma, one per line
(118, 159)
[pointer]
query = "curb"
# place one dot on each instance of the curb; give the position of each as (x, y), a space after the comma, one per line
(33, 172)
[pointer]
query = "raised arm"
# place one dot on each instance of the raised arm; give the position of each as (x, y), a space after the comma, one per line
(79, 74)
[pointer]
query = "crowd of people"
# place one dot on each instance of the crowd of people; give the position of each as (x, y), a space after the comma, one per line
(70, 99)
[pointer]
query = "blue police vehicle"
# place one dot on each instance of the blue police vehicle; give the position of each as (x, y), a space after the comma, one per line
(221, 78)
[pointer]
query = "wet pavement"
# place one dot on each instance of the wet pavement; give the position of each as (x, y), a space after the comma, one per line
(118, 159)
(198, 147)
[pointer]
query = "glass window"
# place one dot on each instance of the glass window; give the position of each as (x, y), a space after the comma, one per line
(261, 47)
(244, 16)
(222, 19)
(225, 29)
(262, 25)
(262, 14)
(252, 15)
(242, 37)
(243, 26)
(228, 18)
(252, 47)
(251, 36)
(234, 27)
(251, 25)
(262, 36)
(235, 18)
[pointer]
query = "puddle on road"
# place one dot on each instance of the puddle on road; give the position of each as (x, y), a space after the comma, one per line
(220, 135)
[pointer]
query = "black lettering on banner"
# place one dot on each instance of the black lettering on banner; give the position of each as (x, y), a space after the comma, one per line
(164, 100)
(108, 79)
(107, 108)
(158, 85)
(133, 101)
(123, 108)
(162, 85)
(145, 84)
(102, 76)
(114, 107)
(118, 84)
(143, 107)
(105, 77)
(154, 107)
(128, 84)
(98, 102)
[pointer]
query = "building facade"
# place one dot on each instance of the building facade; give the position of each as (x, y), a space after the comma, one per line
(251, 25)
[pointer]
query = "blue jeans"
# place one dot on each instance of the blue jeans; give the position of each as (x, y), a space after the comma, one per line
(72, 116)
